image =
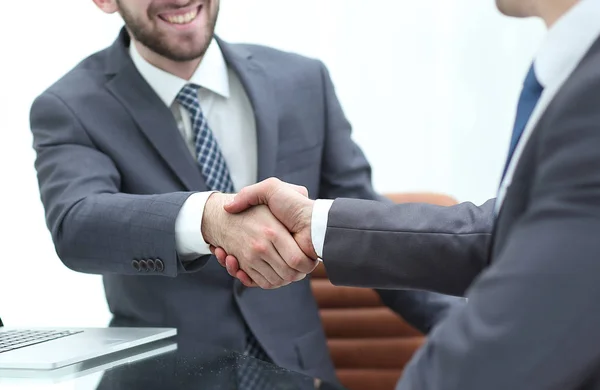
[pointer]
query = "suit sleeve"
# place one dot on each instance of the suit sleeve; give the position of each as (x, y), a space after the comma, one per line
(413, 246)
(347, 173)
(532, 320)
(95, 227)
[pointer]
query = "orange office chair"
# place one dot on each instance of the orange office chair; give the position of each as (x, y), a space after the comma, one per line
(369, 343)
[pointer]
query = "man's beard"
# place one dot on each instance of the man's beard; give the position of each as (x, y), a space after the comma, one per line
(155, 40)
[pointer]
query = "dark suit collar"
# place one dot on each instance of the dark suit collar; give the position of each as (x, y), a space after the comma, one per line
(156, 120)
(150, 113)
(118, 55)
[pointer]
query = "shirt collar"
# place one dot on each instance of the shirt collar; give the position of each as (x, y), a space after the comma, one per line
(211, 74)
(567, 41)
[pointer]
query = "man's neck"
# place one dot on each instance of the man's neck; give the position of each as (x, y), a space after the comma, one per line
(552, 10)
(184, 70)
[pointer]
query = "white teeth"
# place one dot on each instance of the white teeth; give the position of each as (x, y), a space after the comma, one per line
(191, 16)
(183, 19)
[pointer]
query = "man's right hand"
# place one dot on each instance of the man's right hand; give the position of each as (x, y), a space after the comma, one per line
(289, 203)
(259, 242)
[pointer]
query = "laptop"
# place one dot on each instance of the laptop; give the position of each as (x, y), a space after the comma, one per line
(52, 348)
(129, 356)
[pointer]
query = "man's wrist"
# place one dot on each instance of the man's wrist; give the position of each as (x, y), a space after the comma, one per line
(318, 228)
(213, 218)
(188, 224)
(306, 219)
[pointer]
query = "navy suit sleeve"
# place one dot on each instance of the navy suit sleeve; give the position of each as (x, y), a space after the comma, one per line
(95, 227)
(346, 173)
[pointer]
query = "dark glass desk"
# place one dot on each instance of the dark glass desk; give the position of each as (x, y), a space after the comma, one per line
(165, 365)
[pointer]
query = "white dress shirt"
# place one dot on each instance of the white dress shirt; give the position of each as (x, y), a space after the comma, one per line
(229, 113)
(565, 45)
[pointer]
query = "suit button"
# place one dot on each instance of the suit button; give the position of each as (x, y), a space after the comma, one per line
(143, 266)
(151, 265)
(136, 265)
(160, 266)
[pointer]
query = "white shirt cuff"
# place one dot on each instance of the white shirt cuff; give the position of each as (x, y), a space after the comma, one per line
(188, 226)
(318, 225)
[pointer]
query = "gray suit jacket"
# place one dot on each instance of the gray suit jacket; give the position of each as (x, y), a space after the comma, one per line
(114, 172)
(532, 321)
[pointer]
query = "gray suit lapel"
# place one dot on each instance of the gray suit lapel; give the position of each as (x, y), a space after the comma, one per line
(154, 119)
(260, 92)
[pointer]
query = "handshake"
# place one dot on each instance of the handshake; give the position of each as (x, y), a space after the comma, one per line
(262, 235)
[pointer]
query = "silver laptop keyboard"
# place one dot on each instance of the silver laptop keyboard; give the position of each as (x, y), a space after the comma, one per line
(13, 339)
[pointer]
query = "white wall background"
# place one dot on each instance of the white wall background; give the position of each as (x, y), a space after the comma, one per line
(429, 85)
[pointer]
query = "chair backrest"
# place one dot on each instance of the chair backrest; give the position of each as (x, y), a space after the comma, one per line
(369, 343)
(422, 197)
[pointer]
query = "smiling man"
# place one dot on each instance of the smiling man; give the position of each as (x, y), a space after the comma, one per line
(137, 149)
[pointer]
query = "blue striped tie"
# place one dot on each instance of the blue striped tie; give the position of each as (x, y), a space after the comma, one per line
(209, 156)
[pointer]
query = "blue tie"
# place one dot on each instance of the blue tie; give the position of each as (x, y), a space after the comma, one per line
(530, 95)
(209, 156)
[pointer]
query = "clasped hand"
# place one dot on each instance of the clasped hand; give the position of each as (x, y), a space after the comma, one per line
(267, 240)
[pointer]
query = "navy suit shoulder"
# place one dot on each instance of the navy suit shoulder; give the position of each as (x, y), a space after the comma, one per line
(90, 72)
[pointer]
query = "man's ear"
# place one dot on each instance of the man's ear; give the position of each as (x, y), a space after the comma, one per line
(108, 6)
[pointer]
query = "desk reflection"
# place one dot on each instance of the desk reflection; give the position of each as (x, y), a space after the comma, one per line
(197, 366)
